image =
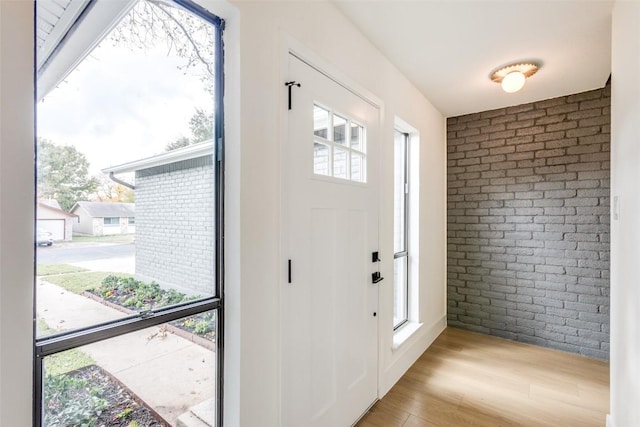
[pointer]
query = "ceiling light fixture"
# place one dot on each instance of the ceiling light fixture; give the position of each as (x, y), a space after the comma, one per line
(512, 77)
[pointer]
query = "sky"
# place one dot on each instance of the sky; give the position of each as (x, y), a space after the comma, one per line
(121, 105)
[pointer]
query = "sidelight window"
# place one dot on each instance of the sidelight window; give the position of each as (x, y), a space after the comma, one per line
(401, 230)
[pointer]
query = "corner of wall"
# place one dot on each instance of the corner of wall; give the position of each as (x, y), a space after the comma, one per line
(406, 355)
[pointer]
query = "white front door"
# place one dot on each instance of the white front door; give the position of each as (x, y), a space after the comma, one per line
(330, 182)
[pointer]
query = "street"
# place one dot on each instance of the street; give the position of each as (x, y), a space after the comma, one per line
(68, 253)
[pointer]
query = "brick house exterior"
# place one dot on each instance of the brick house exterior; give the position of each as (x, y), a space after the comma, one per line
(528, 222)
(175, 218)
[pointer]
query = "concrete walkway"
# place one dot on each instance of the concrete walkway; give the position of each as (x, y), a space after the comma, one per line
(169, 373)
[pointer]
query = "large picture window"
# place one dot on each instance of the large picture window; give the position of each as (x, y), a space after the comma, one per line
(128, 319)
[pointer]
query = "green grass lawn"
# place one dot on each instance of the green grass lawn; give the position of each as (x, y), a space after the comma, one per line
(64, 362)
(117, 238)
(50, 269)
(67, 361)
(73, 279)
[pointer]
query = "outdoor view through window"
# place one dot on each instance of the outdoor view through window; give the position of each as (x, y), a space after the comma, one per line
(125, 219)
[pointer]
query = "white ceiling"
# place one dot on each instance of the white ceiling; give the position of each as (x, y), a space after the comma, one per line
(449, 49)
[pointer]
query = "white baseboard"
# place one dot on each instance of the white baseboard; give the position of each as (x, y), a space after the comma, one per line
(610, 421)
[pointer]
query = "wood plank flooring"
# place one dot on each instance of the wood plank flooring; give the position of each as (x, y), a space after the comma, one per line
(468, 379)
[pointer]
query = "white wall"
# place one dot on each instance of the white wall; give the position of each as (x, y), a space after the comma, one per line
(16, 211)
(253, 291)
(625, 231)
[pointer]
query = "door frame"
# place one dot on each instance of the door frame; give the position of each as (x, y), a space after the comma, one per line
(289, 46)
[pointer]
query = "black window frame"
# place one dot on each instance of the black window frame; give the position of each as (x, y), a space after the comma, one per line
(64, 341)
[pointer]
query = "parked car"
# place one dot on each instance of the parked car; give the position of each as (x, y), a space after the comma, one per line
(44, 238)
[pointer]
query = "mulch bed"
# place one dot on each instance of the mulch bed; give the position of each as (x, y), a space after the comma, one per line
(176, 327)
(124, 408)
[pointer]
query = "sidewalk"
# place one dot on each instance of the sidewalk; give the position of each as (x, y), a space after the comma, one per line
(169, 373)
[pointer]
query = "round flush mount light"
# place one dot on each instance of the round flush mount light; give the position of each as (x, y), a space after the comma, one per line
(512, 77)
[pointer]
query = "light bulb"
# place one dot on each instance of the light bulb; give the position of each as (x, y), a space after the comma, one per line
(513, 82)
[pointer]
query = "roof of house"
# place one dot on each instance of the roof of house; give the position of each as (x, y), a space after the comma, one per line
(185, 153)
(48, 204)
(107, 209)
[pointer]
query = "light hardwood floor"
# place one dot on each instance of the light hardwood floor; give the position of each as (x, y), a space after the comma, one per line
(469, 379)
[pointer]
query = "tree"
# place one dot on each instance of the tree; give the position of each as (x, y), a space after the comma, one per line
(183, 141)
(153, 22)
(63, 174)
(109, 191)
(201, 125)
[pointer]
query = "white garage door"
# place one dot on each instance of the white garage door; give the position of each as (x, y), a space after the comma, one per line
(53, 226)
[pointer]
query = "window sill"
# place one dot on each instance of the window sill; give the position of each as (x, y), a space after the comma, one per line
(404, 333)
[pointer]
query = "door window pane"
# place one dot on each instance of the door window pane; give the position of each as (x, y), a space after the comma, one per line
(338, 146)
(320, 122)
(357, 137)
(339, 129)
(321, 159)
(340, 159)
(357, 167)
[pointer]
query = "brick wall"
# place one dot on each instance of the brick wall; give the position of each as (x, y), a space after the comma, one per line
(528, 222)
(175, 226)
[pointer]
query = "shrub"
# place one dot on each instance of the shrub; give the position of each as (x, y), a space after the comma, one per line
(69, 401)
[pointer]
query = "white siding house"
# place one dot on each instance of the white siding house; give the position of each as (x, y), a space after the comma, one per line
(51, 218)
(104, 218)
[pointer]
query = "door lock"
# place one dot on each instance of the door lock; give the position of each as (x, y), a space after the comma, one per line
(376, 277)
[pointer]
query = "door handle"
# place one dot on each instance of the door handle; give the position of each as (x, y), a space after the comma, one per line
(376, 277)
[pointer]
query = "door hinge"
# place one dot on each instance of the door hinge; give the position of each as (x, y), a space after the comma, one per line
(289, 85)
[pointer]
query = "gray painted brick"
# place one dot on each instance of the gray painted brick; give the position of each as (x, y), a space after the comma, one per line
(597, 354)
(528, 222)
(173, 246)
(583, 324)
(583, 342)
(565, 347)
(551, 336)
(566, 330)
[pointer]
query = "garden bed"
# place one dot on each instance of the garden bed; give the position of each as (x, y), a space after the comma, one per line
(91, 397)
(133, 296)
